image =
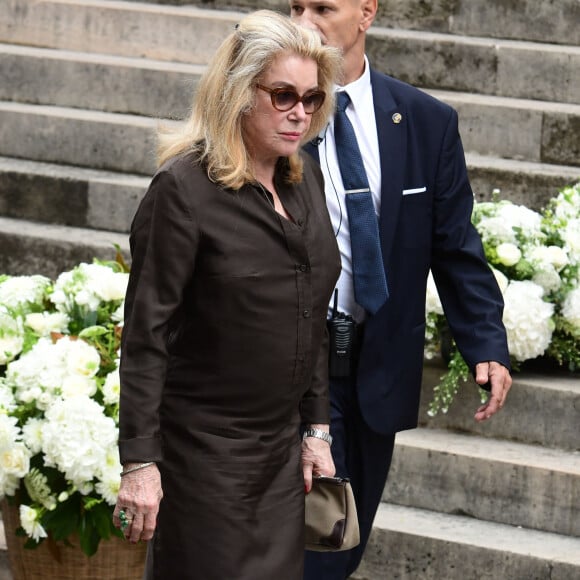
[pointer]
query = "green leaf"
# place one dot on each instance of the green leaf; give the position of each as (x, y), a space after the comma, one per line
(64, 520)
(89, 536)
(93, 331)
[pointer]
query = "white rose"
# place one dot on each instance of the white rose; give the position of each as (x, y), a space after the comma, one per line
(16, 460)
(76, 385)
(508, 254)
(558, 257)
(112, 286)
(80, 357)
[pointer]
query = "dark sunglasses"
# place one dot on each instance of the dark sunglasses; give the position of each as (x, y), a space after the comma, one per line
(284, 99)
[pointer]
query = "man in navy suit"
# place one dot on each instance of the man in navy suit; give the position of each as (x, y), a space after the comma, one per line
(416, 170)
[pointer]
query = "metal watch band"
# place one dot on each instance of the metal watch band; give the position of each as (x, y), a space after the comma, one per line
(319, 434)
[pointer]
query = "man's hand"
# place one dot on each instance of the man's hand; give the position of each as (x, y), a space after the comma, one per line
(500, 379)
(316, 458)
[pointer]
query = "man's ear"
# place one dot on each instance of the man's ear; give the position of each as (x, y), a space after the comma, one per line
(369, 11)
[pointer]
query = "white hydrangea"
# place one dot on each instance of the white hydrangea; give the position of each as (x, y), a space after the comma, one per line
(9, 431)
(48, 371)
(505, 219)
(548, 278)
(11, 337)
(528, 320)
(29, 518)
(110, 481)
(7, 400)
(494, 229)
(571, 237)
(19, 290)
(77, 439)
(508, 254)
(521, 217)
(88, 285)
(32, 434)
(571, 308)
(43, 323)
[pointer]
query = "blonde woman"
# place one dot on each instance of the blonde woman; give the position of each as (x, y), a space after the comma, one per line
(224, 353)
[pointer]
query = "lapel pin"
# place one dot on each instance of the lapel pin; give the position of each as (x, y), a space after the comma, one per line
(397, 118)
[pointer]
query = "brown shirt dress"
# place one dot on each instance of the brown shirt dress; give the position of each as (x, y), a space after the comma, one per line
(224, 353)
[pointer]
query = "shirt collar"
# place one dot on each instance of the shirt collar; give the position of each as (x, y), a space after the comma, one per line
(360, 87)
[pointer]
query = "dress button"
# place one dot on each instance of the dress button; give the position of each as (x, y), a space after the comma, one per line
(306, 313)
(303, 267)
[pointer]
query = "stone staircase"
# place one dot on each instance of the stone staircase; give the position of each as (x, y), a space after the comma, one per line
(501, 500)
(83, 86)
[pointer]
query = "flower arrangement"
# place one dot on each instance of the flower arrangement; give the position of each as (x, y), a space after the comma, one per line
(59, 401)
(535, 257)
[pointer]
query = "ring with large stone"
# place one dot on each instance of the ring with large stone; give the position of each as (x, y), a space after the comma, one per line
(125, 521)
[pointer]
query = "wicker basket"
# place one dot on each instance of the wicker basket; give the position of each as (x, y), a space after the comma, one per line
(115, 559)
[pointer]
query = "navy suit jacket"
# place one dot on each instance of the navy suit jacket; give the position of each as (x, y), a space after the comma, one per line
(421, 231)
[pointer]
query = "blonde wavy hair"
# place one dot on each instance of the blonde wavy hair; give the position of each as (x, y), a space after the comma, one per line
(227, 90)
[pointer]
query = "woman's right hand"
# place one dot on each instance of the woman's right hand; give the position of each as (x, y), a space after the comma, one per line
(139, 497)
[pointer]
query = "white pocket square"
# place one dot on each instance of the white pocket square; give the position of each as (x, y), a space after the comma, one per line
(415, 190)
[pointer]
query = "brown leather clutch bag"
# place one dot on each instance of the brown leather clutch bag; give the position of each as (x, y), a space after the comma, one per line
(331, 519)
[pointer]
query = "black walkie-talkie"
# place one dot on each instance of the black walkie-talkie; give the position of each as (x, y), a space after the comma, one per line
(342, 331)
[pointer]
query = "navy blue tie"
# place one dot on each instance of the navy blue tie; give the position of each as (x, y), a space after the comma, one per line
(370, 282)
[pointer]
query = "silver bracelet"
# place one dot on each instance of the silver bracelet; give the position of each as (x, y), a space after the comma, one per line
(319, 434)
(137, 467)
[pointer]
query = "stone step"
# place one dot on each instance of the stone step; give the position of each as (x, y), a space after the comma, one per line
(180, 33)
(83, 80)
(99, 199)
(512, 483)
(95, 139)
(67, 195)
(121, 142)
(537, 131)
(33, 248)
(507, 68)
(557, 394)
(523, 182)
(415, 544)
(431, 59)
(537, 20)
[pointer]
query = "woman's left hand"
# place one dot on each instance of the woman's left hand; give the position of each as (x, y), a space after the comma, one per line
(316, 459)
(138, 503)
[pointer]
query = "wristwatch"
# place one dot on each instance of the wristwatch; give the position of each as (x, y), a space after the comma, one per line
(319, 434)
